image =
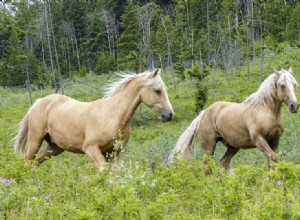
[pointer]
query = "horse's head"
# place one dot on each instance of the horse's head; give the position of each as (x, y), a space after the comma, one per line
(286, 85)
(154, 95)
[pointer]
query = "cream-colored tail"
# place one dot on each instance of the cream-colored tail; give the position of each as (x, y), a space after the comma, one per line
(21, 137)
(186, 142)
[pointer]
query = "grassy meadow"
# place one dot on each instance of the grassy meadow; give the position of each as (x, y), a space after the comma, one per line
(139, 187)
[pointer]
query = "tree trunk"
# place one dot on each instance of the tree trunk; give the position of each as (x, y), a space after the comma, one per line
(49, 46)
(208, 33)
(55, 52)
(252, 31)
(201, 64)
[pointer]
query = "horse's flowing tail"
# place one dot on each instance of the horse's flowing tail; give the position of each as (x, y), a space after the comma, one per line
(186, 141)
(21, 137)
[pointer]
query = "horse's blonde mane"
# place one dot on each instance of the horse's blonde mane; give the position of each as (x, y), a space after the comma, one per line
(267, 90)
(117, 86)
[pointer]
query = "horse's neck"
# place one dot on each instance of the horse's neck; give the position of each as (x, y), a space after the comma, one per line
(275, 106)
(126, 102)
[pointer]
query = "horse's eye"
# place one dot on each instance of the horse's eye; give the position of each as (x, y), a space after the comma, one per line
(157, 91)
(283, 86)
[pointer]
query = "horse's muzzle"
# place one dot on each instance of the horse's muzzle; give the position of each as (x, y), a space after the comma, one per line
(293, 107)
(167, 116)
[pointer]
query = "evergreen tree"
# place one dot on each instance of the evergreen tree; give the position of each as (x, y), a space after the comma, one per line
(130, 39)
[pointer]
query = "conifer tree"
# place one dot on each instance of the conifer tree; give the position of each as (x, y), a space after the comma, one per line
(130, 39)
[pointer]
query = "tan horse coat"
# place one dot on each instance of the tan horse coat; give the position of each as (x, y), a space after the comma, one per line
(91, 127)
(257, 122)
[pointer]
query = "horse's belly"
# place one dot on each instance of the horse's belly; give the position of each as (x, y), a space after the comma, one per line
(237, 139)
(239, 144)
(66, 142)
(74, 150)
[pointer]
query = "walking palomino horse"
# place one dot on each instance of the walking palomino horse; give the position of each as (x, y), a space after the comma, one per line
(91, 127)
(256, 122)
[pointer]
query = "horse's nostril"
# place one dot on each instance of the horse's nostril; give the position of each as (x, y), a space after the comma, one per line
(294, 107)
(171, 115)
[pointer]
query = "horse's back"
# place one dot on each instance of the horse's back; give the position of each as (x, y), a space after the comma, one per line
(41, 107)
(226, 112)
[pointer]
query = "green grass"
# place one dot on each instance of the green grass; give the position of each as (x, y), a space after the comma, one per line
(70, 187)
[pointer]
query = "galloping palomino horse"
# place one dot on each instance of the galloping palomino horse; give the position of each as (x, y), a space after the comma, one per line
(257, 122)
(91, 127)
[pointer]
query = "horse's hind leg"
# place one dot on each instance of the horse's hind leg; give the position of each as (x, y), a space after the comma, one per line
(34, 143)
(225, 161)
(51, 150)
(209, 144)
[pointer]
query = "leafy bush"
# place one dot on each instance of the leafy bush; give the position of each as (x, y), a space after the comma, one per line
(139, 187)
(105, 63)
(201, 88)
(201, 96)
(179, 70)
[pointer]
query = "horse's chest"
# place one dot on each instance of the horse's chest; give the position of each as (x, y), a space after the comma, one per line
(272, 128)
(116, 142)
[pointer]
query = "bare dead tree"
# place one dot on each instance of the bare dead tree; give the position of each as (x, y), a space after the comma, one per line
(208, 32)
(111, 32)
(69, 32)
(262, 28)
(145, 14)
(252, 29)
(49, 44)
(107, 23)
(28, 84)
(55, 49)
(169, 59)
(201, 63)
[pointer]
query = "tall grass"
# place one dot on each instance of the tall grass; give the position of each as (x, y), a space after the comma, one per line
(139, 187)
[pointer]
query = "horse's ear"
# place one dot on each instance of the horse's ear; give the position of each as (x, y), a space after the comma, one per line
(156, 72)
(277, 72)
(290, 70)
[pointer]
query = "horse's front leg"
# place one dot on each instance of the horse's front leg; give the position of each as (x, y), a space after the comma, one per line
(95, 154)
(274, 146)
(263, 145)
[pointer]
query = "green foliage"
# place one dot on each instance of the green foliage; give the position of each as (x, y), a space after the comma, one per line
(201, 95)
(105, 63)
(194, 71)
(130, 38)
(100, 36)
(179, 70)
(59, 189)
(70, 187)
(201, 88)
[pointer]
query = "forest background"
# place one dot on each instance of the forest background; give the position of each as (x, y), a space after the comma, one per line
(43, 43)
